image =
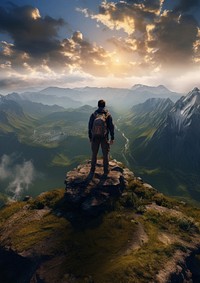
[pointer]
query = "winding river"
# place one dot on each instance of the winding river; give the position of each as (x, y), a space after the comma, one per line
(125, 150)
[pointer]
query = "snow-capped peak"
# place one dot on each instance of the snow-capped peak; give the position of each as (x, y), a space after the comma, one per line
(136, 86)
(182, 112)
(191, 99)
(194, 92)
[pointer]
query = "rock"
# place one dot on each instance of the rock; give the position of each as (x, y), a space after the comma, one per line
(91, 194)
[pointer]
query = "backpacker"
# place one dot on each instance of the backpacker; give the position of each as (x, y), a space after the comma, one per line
(99, 128)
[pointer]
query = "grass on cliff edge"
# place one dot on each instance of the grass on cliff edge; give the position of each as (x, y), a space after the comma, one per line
(100, 250)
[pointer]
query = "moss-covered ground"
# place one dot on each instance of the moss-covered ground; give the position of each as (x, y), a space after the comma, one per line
(96, 248)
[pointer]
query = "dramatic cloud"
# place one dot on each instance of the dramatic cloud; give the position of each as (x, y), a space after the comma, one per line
(83, 55)
(173, 39)
(147, 39)
(19, 176)
(156, 39)
(36, 51)
(31, 33)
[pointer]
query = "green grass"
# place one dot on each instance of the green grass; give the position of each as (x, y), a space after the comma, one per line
(38, 231)
(47, 199)
(97, 247)
(94, 249)
(60, 160)
(9, 210)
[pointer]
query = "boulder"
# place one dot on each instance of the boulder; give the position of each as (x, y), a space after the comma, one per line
(93, 193)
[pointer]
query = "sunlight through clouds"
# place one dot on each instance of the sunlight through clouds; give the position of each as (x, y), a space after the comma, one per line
(139, 39)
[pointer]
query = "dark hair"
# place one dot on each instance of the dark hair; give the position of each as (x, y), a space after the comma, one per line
(101, 103)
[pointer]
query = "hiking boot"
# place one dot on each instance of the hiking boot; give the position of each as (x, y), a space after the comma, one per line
(106, 172)
(90, 175)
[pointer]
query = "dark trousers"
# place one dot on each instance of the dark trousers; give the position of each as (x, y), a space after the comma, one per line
(105, 147)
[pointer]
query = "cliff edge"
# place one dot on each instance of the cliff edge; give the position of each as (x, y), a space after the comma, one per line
(113, 228)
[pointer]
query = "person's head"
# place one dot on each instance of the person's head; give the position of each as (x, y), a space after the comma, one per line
(101, 103)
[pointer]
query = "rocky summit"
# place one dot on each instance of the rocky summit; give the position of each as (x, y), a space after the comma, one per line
(100, 229)
(92, 194)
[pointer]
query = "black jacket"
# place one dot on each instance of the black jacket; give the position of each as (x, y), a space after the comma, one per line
(109, 123)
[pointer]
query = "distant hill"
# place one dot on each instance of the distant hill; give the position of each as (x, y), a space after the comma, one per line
(12, 116)
(34, 109)
(118, 98)
(47, 98)
(50, 137)
(145, 92)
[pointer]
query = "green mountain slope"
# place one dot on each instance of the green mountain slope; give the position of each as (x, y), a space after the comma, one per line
(159, 151)
(142, 121)
(52, 144)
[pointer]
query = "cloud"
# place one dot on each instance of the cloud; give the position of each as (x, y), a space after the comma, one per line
(157, 39)
(37, 51)
(130, 16)
(30, 32)
(35, 40)
(19, 176)
(4, 167)
(147, 39)
(173, 38)
(22, 179)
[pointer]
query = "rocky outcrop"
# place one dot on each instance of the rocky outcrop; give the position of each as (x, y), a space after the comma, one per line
(92, 194)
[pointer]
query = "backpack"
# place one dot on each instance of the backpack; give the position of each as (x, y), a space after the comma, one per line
(99, 127)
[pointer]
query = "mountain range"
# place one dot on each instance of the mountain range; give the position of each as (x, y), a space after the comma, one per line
(116, 97)
(119, 228)
(165, 140)
(177, 139)
(158, 138)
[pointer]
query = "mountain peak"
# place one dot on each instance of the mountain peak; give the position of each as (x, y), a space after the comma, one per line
(192, 98)
(196, 89)
(185, 110)
(150, 87)
(137, 86)
(162, 87)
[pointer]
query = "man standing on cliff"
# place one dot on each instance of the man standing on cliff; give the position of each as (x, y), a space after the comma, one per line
(100, 127)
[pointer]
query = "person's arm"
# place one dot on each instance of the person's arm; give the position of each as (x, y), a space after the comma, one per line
(111, 128)
(91, 120)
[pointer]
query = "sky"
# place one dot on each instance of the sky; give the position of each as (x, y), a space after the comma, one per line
(99, 43)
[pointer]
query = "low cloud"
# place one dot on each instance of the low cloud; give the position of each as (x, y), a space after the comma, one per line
(4, 167)
(18, 176)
